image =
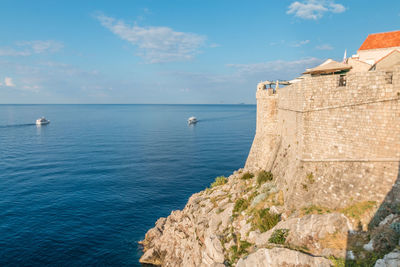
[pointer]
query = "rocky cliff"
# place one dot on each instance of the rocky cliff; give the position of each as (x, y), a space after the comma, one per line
(242, 221)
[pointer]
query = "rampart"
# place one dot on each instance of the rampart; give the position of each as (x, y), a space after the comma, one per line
(348, 136)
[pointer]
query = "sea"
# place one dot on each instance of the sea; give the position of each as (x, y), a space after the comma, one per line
(84, 189)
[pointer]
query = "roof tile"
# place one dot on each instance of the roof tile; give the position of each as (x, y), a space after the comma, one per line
(381, 40)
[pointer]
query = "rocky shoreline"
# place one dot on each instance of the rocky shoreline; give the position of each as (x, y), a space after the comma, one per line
(243, 221)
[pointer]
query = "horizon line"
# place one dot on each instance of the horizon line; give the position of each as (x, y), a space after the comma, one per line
(239, 104)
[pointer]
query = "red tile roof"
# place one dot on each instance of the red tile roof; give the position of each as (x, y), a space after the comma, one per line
(381, 40)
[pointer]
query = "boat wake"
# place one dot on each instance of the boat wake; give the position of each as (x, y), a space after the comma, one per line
(17, 125)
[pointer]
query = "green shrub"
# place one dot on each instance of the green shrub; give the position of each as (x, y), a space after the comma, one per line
(264, 176)
(358, 209)
(237, 251)
(220, 180)
(240, 205)
(279, 236)
(396, 227)
(313, 209)
(338, 262)
(369, 259)
(264, 220)
(247, 175)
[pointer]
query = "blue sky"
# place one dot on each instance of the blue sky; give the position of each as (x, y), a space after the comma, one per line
(155, 51)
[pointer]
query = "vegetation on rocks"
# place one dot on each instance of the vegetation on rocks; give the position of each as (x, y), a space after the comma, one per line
(264, 220)
(356, 210)
(240, 205)
(264, 176)
(239, 250)
(313, 209)
(279, 236)
(247, 176)
(220, 180)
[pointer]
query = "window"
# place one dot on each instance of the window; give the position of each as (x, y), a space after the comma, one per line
(389, 77)
(342, 80)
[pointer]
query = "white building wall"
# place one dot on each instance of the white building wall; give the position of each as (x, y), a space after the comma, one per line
(373, 55)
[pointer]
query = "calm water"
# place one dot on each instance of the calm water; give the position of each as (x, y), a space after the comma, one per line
(85, 188)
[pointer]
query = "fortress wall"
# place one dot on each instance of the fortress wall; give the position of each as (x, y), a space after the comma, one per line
(363, 132)
(357, 121)
(266, 140)
(347, 137)
(323, 92)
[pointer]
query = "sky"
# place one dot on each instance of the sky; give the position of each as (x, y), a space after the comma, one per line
(173, 51)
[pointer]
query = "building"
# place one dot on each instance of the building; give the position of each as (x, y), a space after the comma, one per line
(377, 46)
(380, 51)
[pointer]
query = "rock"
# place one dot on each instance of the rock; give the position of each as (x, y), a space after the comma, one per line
(322, 234)
(150, 257)
(388, 219)
(389, 260)
(214, 252)
(274, 210)
(278, 257)
(258, 199)
(350, 255)
(244, 228)
(369, 246)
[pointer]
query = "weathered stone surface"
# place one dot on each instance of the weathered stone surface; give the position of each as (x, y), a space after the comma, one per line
(321, 234)
(389, 260)
(282, 257)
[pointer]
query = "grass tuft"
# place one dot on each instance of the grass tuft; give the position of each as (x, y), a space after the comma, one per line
(237, 251)
(240, 205)
(247, 176)
(357, 210)
(279, 236)
(220, 180)
(265, 220)
(264, 176)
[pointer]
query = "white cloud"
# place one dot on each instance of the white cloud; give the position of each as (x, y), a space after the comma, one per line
(314, 9)
(324, 47)
(6, 51)
(38, 46)
(281, 42)
(8, 82)
(277, 67)
(156, 44)
(300, 43)
(214, 45)
(27, 48)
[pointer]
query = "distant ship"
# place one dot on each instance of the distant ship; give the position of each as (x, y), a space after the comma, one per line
(42, 121)
(192, 120)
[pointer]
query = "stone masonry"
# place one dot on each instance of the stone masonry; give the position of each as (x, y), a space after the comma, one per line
(346, 137)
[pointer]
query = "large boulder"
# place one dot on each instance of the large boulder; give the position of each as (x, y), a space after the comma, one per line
(390, 260)
(320, 234)
(281, 257)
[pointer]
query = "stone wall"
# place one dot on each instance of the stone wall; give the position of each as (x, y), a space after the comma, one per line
(348, 137)
(265, 141)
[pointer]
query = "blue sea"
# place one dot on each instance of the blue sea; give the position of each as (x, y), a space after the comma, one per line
(84, 189)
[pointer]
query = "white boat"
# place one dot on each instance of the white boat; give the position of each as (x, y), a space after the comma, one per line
(192, 120)
(42, 121)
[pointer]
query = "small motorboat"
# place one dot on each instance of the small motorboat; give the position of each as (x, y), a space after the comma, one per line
(192, 120)
(42, 121)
